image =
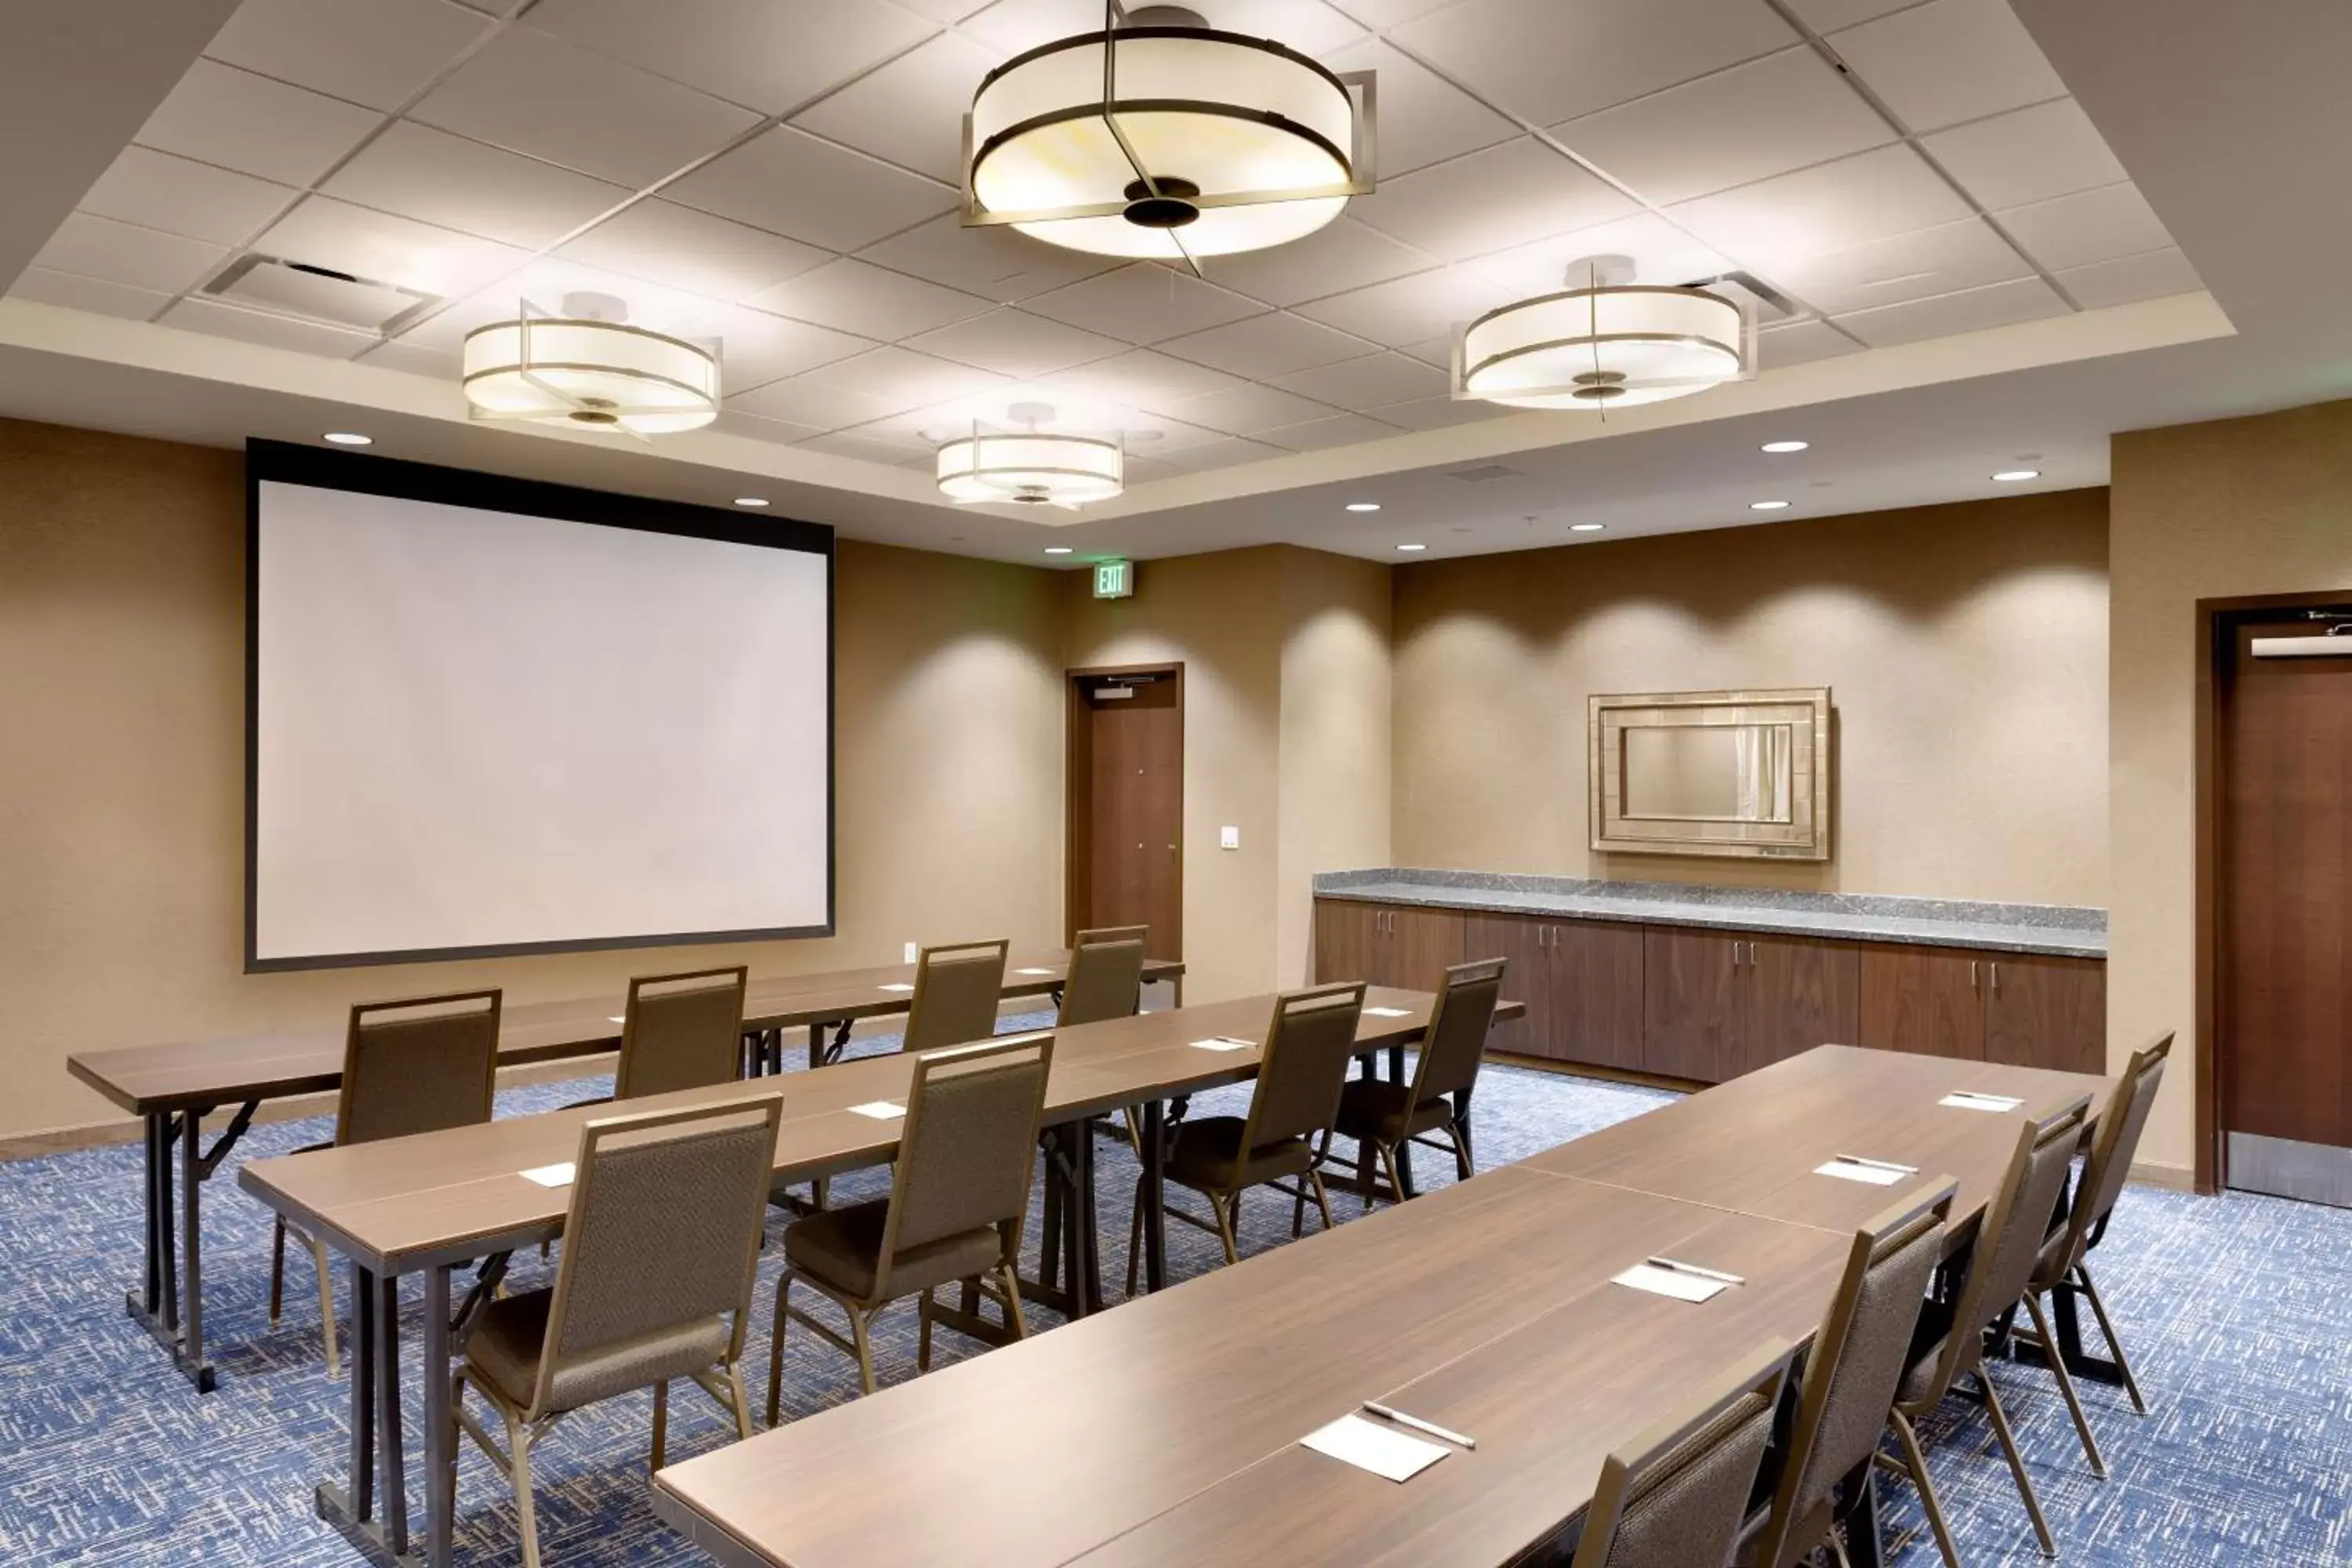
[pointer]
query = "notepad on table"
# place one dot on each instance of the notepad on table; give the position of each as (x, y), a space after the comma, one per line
(1683, 1282)
(559, 1175)
(1033, 971)
(1969, 1099)
(879, 1110)
(616, 1018)
(1875, 1173)
(1388, 1012)
(1368, 1446)
(1222, 1042)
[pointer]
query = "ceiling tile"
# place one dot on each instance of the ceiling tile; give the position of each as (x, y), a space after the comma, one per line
(2027, 299)
(1145, 379)
(1438, 413)
(1339, 430)
(1550, 60)
(1438, 351)
(905, 379)
(994, 261)
(873, 302)
(1341, 255)
(2152, 275)
(272, 332)
(155, 190)
(1308, 25)
(1388, 13)
(1362, 383)
(944, 10)
(1928, 261)
(1246, 410)
(1801, 343)
(324, 232)
(769, 55)
(1949, 60)
(220, 114)
(1267, 346)
(375, 52)
(1661, 252)
(2027, 155)
(910, 112)
(121, 253)
(1421, 117)
(431, 175)
(802, 400)
(757, 348)
(735, 421)
(843, 444)
(792, 183)
(1012, 343)
(1828, 16)
(1489, 201)
(416, 359)
(71, 292)
(1411, 310)
(530, 92)
(1143, 302)
(2090, 225)
(1225, 453)
(694, 250)
(545, 283)
(1785, 111)
(1834, 206)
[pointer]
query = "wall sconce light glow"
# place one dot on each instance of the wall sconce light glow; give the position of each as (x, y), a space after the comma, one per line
(1586, 527)
(1363, 506)
(1057, 550)
(1409, 549)
(1768, 506)
(751, 500)
(347, 438)
(2016, 475)
(1777, 448)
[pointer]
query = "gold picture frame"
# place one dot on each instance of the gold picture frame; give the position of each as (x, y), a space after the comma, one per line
(1741, 773)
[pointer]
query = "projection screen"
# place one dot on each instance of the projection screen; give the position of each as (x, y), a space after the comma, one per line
(489, 716)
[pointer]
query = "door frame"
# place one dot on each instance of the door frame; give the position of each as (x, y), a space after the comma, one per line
(1077, 790)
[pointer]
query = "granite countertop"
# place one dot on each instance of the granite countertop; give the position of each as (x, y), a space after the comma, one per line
(2058, 929)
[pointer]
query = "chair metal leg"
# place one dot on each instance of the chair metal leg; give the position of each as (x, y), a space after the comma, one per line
(1013, 1318)
(1915, 1465)
(776, 1349)
(1322, 1198)
(326, 1303)
(2108, 1330)
(2016, 1463)
(860, 1327)
(1227, 1212)
(742, 1409)
(1463, 1169)
(1364, 1158)
(661, 1423)
(923, 1332)
(2066, 1386)
(1134, 1237)
(519, 1450)
(1396, 1181)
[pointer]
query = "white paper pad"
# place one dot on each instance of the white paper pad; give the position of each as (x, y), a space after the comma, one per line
(1222, 1042)
(880, 1109)
(1875, 1175)
(1033, 971)
(551, 1175)
(1388, 1012)
(894, 987)
(616, 1018)
(1368, 1445)
(1681, 1287)
(1969, 1099)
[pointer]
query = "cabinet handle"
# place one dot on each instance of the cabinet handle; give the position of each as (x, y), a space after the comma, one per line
(1972, 973)
(1996, 979)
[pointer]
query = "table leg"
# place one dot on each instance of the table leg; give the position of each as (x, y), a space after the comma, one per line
(191, 1314)
(440, 1423)
(1155, 1220)
(350, 1506)
(1050, 1223)
(157, 1307)
(816, 1046)
(1396, 1064)
(153, 1189)
(390, 1458)
(1085, 1278)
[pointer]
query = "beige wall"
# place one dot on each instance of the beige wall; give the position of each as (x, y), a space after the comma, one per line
(1965, 646)
(2237, 508)
(122, 780)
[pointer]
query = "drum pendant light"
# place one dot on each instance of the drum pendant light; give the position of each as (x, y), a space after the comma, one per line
(1029, 467)
(588, 369)
(1604, 342)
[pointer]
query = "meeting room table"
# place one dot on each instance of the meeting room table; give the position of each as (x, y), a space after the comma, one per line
(172, 1086)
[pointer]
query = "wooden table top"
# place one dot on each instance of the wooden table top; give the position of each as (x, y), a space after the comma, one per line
(202, 1073)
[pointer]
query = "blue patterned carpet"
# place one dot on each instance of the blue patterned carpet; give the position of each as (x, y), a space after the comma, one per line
(2237, 1310)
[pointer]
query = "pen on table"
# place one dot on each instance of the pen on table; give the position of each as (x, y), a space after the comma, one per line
(1879, 1165)
(1418, 1425)
(1693, 1269)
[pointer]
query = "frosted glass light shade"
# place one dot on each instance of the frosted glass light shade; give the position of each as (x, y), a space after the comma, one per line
(1247, 143)
(588, 375)
(1029, 468)
(1607, 347)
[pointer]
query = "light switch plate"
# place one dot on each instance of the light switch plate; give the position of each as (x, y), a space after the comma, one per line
(913, 953)
(1229, 837)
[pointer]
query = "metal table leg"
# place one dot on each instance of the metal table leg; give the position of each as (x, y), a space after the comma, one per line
(389, 1455)
(1085, 1275)
(440, 1422)
(1155, 1220)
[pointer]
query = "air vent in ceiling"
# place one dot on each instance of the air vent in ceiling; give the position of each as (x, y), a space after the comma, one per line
(311, 293)
(1489, 472)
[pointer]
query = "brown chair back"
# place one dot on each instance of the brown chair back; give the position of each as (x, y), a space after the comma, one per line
(957, 989)
(418, 1066)
(2112, 1148)
(969, 1147)
(1456, 1042)
(681, 1031)
(667, 1213)
(1106, 977)
(1677, 1495)
(1304, 1064)
(1856, 1363)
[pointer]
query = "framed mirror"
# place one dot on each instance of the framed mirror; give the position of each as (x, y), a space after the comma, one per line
(1713, 773)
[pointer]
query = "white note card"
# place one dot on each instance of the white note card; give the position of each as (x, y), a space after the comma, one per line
(1368, 1446)
(551, 1175)
(1033, 971)
(894, 986)
(1388, 1012)
(1222, 1043)
(616, 1018)
(1855, 1170)
(1671, 1282)
(1969, 1099)
(879, 1110)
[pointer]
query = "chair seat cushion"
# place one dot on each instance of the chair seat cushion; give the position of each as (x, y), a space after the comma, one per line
(1384, 1112)
(842, 1248)
(511, 1334)
(1208, 1156)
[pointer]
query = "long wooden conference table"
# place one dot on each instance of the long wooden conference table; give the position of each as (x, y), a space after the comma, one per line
(430, 1204)
(1486, 1308)
(172, 1087)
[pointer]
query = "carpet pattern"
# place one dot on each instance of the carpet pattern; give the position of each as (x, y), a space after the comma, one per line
(2238, 1311)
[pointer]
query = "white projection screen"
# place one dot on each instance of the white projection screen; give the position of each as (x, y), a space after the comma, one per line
(489, 716)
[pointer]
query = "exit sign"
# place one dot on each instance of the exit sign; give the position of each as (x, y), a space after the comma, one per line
(1113, 579)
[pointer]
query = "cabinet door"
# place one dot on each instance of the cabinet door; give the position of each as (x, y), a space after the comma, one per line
(1800, 994)
(1596, 993)
(1519, 940)
(1419, 947)
(1343, 939)
(1926, 1000)
(2046, 1012)
(1691, 1012)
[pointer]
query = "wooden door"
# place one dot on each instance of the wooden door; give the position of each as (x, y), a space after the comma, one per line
(1596, 995)
(1127, 806)
(1926, 1000)
(1344, 934)
(1691, 1012)
(1521, 941)
(1799, 995)
(2045, 1012)
(1417, 947)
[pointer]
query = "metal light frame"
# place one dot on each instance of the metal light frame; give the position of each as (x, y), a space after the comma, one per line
(527, 369)
(1742, 352)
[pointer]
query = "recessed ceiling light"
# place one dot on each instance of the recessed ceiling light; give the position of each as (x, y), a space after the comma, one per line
(1057, 550)
(1412, 547)
(1585, 527)
(1363, 506)
(1768, 506)
(751, 500)
(2016, 475)
(349, 438)
(1778, 446)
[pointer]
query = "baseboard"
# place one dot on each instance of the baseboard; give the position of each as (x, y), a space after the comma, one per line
(1590, 1070)
(2173, 1178)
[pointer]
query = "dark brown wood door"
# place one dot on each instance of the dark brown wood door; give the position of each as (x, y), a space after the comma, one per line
(2284, 1003)
(1692, 1012)
(1519, 939)
(1926, 1000)
(2045, 1012)
(1800, 994)
(1596, 995)
(1135, 808)
(1344, 933)
(1417, 947)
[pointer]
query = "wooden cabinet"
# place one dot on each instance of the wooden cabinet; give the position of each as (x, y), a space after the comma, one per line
(1582, 982)
(1717, 1006)
(1926, 1000)
(1386, 944)
(1345, 931)
(1524, 944)
(2045, 1012)
(1800, 994)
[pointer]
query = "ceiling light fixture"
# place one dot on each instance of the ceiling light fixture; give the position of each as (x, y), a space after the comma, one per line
(1586, 527)
(1057, 550)
(588, 369)
(1410, 548)
(751, 500)
(1363, 506)
(1777, 447)
(1768, 506)
(1160, 136)
(347, 438)
(1604, 341)
(1030, 467)
(2016, 475)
